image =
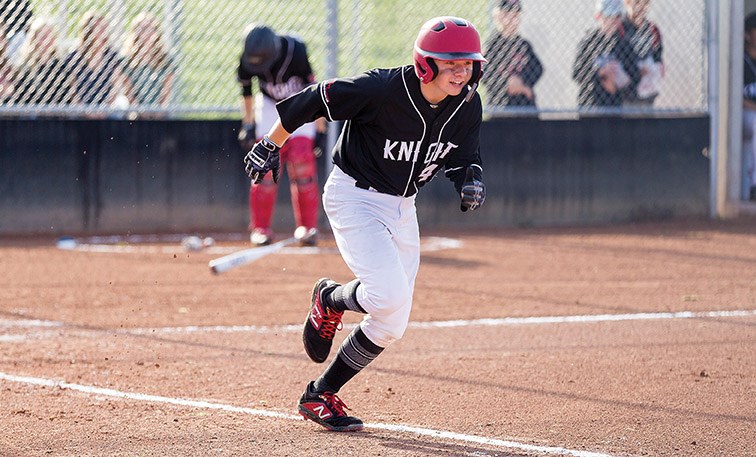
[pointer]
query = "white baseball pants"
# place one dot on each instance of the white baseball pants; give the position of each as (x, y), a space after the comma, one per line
(379, 240)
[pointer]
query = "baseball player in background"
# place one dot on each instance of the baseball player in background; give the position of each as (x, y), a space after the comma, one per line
(402, 125)
(282, 68)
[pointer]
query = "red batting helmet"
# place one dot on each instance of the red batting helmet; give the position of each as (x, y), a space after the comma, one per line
(446, 38)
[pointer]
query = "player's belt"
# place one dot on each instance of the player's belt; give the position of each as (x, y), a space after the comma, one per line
(362, 185)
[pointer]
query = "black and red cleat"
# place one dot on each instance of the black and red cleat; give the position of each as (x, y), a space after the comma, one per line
(326, 409)
(321, 324)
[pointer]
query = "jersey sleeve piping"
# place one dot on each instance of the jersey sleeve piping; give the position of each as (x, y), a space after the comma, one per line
(425, 128)
(324, 99)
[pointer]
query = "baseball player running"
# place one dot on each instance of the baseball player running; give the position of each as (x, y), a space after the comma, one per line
(282, 68)
(402, 125)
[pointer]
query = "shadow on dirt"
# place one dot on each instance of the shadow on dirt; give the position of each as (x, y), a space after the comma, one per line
(424, 446)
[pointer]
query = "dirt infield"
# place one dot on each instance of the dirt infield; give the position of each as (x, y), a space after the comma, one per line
(617, 341)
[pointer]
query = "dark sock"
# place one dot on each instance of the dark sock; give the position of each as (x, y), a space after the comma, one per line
(355, 353)
(343, 297)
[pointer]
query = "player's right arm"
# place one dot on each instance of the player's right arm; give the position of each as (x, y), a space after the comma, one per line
(337, 99)
(334, 99)
(278, 134)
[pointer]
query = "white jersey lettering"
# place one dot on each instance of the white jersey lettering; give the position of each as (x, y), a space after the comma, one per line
(279, 91)
(387, 153)
(406, 152)
(438, 151)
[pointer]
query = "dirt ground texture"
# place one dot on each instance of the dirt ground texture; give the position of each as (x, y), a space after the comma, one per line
(626, 340)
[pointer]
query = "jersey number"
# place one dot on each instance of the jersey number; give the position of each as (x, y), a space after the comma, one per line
(427, 172)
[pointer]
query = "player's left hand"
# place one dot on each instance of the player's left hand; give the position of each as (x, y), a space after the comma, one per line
(246, 136)
(263, 157)
(473, 192)
(319, 144)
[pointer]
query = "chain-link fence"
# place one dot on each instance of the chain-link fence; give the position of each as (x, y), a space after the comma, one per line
(177, 58)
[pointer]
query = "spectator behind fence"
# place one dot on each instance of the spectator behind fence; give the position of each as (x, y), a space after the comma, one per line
(646, 39)
(606, 67)
(16, 15)
(749, 109)
(282, 68)
(148, 69)
(40, 77)
(6, 70)
(95, 68)
(513, 67)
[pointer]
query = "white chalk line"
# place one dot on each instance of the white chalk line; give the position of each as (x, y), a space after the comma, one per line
(488, 322)
(448, 435)
(589, 318)
(428, 244)
(297, 328)
(5, 323)
(167, 249)
(409, 429)
(27, 337)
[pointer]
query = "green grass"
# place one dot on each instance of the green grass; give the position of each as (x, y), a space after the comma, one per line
(377, 33)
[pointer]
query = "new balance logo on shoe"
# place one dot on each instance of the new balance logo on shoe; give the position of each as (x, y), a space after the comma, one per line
(327, 409)
(322, 412)
(315, 317)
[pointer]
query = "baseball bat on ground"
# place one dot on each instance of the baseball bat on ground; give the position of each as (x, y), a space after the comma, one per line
(245, 256)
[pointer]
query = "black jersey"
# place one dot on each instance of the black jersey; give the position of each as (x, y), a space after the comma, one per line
(289, 74)
(393, 140)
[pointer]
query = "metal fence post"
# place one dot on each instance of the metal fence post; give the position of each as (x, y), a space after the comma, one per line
(332, 64)
(172, 29)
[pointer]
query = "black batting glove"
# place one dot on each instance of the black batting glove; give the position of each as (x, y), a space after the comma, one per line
(473, 192)
(247, 136)
(263, 157)
(320, 143)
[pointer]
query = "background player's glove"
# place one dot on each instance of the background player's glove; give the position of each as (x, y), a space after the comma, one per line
(247, 136)
(319, 144)
(473, 192)
(262, 158)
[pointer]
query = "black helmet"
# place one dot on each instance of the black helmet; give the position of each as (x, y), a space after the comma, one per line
(261, 47)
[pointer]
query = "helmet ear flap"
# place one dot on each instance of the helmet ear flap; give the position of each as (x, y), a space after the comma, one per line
(433, 68)
(477, 72)
(425, 68)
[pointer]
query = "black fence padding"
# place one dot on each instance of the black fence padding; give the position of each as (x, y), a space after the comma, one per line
(117, 176)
